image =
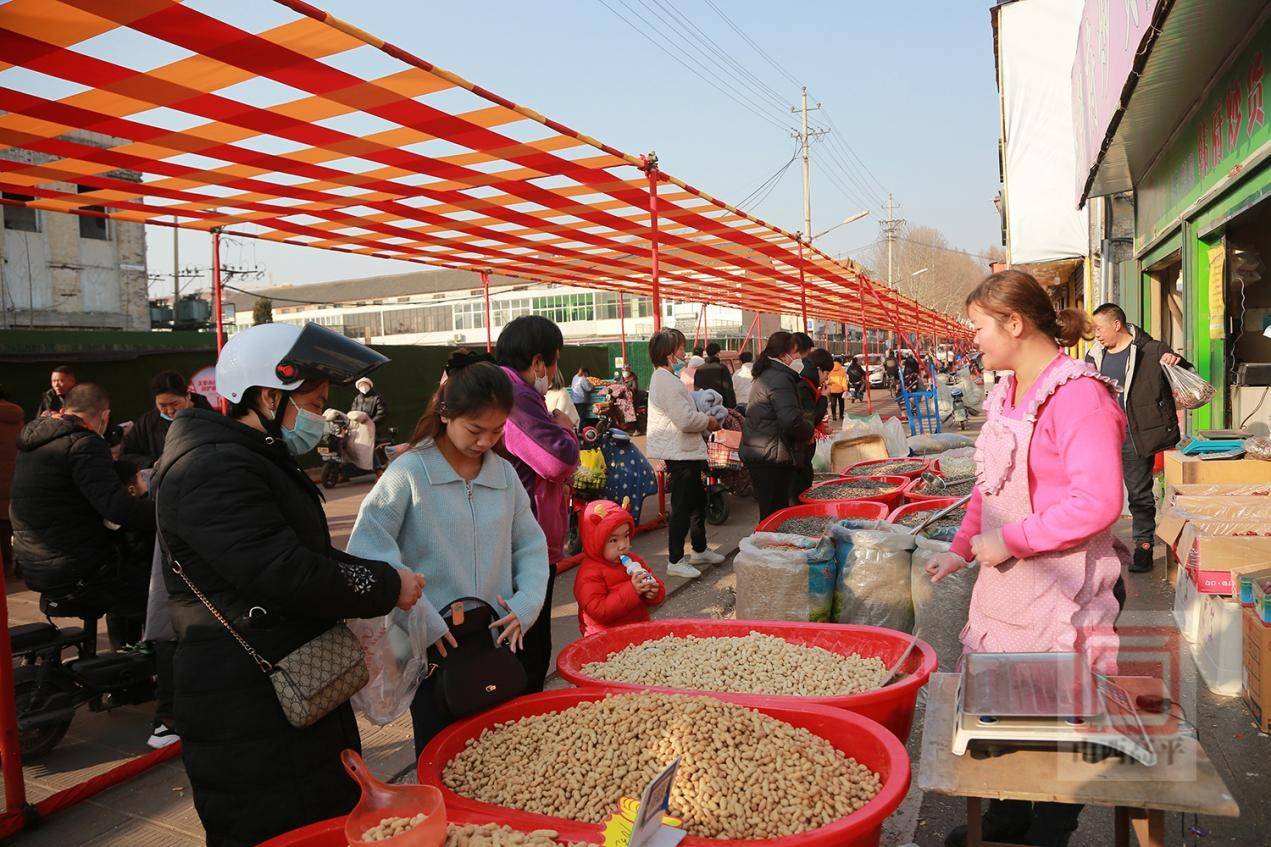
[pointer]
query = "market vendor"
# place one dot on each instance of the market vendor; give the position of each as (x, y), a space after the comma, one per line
(1039, 521)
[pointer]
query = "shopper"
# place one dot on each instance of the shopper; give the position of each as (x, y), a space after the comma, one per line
(65, 493)
(370, 402)
(714, 374)
(62, 381)
(813, 398)
(12, 420)
(543, 448)
(836, 384)
(675, 435)
(1129, 356)
(143, 445)
(558, 399)
(778, 430)
(857, 378)
(742, 379)
(1040, 518)
(607, 594)
(688, 372)
(246, 526)
(455, 512)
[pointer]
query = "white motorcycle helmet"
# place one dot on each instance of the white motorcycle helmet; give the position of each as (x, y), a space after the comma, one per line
(283, 356)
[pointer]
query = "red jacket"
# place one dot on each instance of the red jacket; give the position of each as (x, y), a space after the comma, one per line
(606, 598)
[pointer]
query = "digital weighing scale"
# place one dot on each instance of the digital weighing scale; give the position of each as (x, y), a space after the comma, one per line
(1011, 700)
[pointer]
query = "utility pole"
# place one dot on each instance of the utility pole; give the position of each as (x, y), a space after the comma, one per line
(805, 140)
(891, 227)
(176, 272)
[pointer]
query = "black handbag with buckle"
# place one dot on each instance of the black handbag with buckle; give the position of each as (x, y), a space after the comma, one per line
(476, 675)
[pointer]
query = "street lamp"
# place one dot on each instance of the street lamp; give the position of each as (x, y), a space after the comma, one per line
(920, 271)
(848, 220)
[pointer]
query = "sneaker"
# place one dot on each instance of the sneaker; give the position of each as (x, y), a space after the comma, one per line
(162, 736)
(1142, 558)
(705, 557)
(683, 569)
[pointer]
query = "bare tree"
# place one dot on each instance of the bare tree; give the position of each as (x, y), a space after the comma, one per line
(926, 267)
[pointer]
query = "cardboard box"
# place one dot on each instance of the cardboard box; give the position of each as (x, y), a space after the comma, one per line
(1217, 552)
(1245, 585)
(1180, 470)
(1255, 673)
(1262, 599)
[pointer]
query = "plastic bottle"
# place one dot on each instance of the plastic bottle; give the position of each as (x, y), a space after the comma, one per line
(633, 567)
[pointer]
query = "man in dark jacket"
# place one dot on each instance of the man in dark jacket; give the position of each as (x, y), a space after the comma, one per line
(716, 376)
(1125, 353)
(64, 490)
(62, 381)
(371, 402)
(777, 436)
(143, 445)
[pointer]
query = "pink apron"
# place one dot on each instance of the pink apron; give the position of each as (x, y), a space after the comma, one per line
(1052, 602)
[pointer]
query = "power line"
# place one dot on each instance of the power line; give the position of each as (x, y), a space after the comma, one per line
(834, 160)
(841, 137)
(727, 93)
(753, 44)
(772, 179)
(945, 249)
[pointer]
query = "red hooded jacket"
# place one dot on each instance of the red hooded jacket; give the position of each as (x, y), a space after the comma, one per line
(606, 598)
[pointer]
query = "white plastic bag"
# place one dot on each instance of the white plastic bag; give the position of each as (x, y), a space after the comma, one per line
(872, 587)
(784, 577)
(396, 651)
(897, 441)
(940, 608)
(1190, 391)
(1258, 447)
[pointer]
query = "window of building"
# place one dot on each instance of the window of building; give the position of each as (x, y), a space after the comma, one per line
(91, 226)
(633, 306)
(566, 308)
(470, 315)
(506, 311)
(362, 324)
(422, 319)
(21, 218)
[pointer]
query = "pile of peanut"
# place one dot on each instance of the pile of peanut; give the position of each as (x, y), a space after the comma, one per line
(493, 835)
(392, 827)
(742, 773)
(751, 664)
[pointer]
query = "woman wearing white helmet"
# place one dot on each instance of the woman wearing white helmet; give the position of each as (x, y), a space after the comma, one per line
(247, 526)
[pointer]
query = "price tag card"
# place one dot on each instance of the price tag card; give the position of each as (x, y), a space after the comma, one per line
(649, 831)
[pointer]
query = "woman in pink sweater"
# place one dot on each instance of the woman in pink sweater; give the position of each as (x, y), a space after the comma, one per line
(1048, 490)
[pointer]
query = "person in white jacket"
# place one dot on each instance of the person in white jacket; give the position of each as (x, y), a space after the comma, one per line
(675, 433)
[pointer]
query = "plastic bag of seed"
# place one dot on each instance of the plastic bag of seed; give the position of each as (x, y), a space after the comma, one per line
(872, 586)
(784, 577)
(940, 608)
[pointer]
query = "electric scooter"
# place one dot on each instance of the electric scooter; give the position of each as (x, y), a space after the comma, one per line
(339, 463)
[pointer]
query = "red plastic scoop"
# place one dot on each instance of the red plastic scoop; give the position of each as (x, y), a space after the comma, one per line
(380, 801)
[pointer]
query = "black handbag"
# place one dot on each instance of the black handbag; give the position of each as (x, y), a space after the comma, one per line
(476, 675)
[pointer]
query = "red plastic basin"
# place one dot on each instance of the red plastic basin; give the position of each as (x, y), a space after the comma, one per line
(857, 736)
(866, 468)
(890, 499)
(330, 833)
(892, 705)
(867, 510)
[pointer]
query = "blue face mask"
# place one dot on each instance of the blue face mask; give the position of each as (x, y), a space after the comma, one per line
(307, 432)
(165, 417)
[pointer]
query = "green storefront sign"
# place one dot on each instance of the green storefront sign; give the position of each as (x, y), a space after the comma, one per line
(1213, 169)
(1230, 126)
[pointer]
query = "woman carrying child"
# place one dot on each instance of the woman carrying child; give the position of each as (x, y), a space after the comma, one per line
(1039, 521)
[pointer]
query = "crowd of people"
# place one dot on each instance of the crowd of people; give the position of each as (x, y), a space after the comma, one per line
(476, 512)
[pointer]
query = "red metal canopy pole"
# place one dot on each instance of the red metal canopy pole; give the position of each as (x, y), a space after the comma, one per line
(15, 804)
(651, 170)
(869, 392)
(485, 293)
(803, 287)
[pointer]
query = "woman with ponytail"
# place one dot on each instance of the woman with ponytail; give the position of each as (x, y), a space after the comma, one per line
(777, 436)
(450, 508)
(1039, 521)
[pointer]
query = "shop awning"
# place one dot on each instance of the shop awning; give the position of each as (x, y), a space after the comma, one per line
(314, 132)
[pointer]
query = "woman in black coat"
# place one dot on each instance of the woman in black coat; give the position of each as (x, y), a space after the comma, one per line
(776, 438)
(246, 525)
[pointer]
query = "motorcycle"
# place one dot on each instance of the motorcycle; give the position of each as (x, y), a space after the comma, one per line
(725, 473)
(350, 448)
(48, 689)
(960, 413)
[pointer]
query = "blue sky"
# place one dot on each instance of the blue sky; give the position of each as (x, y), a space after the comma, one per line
(910, 83)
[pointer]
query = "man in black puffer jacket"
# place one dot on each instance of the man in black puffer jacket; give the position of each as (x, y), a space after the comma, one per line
(776, 438)
(64, 490)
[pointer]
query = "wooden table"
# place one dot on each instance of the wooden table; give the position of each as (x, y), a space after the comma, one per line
(1185, 782)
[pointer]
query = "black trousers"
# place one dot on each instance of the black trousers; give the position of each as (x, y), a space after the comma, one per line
(837, 404)
(536, 656)
(1139, 483)
(774, 487)
(165, 693)
(688, 507)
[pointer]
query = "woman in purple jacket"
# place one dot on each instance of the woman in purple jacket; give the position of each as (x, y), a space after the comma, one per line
(543, 448)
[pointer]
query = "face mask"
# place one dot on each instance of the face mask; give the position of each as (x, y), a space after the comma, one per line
(542, 384)
(308, 431)
(363, 390)
(796, 364)
(166, 417)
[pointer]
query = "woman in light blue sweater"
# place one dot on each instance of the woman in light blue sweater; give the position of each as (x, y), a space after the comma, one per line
(453, 510)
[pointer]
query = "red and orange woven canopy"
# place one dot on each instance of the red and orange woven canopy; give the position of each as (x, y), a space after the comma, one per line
(314, 132)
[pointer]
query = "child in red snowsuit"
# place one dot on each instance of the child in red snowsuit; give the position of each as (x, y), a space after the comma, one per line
(607, 595)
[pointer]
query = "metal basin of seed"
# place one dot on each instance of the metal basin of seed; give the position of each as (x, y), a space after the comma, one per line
(848, 488)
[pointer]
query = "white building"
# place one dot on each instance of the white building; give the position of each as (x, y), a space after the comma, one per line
(447, 307)
(64, 271)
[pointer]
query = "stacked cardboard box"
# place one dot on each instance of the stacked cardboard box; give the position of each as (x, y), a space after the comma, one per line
(1256, 673)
